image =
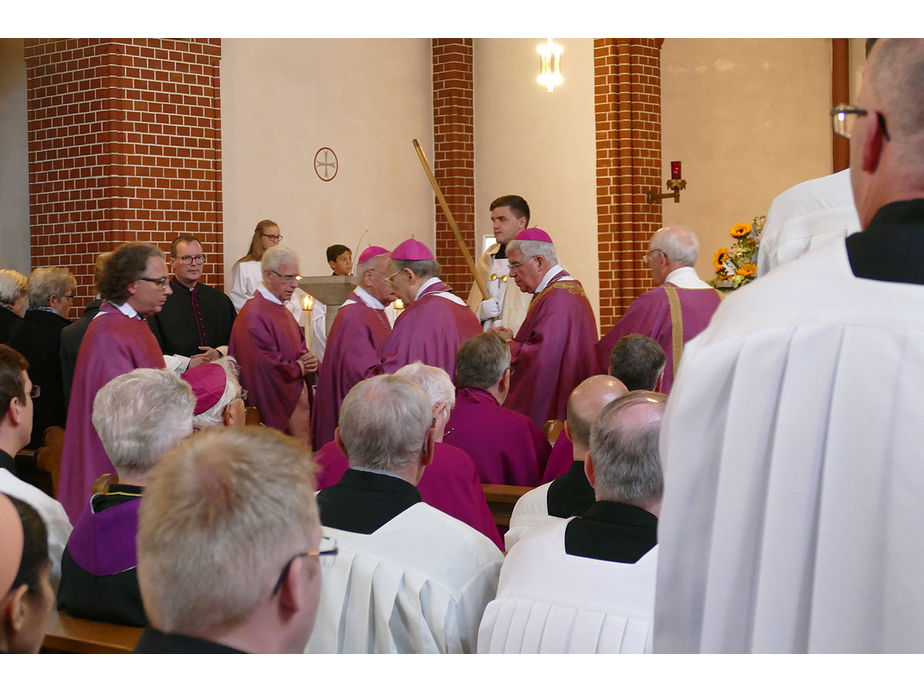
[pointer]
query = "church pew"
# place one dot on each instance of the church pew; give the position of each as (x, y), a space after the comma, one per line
(68, 634)
(48, 457)
(501, 500)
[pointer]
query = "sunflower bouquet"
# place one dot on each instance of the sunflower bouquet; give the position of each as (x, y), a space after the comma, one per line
(737, 264)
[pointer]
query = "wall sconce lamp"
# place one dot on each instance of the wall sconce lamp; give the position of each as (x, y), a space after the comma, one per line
(549, 65)
(676, 184)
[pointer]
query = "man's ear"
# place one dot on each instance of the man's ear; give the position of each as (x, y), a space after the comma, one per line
(429, 448)
(15, 411)
(873, 139)
(291, 593)
(589, 468)
(504, 384)
(15, 609)
(568, 431)
(339, 441)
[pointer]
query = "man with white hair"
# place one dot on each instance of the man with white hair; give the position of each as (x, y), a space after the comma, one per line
(409, 578)
(587, 584)
(219, 395)
(14, 300)
(676, 310)
(553, 350)
(51, 293)
(270, 348)
(229, 545)
(139, 416)
(434, 322)
(792, 447)
(354, 346)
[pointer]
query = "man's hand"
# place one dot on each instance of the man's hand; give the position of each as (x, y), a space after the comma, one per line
(308, 362)
(488, 309)
(504, 333)
(207, 356)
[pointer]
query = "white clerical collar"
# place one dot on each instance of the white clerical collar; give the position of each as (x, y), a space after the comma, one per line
(367, 298)
(127, 310)
(269, 295)
(548, 278)
(686, 278)
(430, 282)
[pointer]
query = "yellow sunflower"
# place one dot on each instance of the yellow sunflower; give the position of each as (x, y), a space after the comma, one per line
(740, 230)
(748, 269)
(718, 260)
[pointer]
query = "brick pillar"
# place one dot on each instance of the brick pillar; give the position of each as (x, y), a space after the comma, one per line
(124, 144)
(454, 156)
(627, 104)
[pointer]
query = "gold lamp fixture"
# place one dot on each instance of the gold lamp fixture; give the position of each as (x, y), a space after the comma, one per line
(549, 65)
(675, 185)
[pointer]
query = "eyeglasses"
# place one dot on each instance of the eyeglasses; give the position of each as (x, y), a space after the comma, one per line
(67, 297)
(390, 277)
(272, 237)
(190, 259)
(243, 395)
(35, 391)
(287, 278)
(328, 548)
(653, 250)
(514, 266)
(160, 281)
(843, 117)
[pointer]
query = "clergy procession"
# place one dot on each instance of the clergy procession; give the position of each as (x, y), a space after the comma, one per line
(715, 472)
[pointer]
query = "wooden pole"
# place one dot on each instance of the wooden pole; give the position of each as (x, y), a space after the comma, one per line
(479, 282)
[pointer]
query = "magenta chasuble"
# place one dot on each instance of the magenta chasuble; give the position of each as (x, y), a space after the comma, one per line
(353, 353)
(507, 447)
(267, 342)
(650, 315)
(553, 352)
(114, 344)
(430, 330)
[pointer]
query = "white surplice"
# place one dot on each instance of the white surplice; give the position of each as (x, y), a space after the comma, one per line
(806, 216)
(418, 584)
(549, 602)
(530, 512)
(794, 470)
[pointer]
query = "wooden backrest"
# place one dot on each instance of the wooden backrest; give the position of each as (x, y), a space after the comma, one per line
(65, 633)
(551, 430)
(501, 500)
(101, 485)
(48, 457)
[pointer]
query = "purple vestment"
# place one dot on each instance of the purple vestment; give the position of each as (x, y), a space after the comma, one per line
(353, 353)
(430, 330)
(267, 342)
(449, 484)
(553, 352)
(560, 459)
(650, 315)
(103, 543)
(506, 446)
(114, 344)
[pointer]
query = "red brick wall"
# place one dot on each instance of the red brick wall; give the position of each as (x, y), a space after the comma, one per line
(124, 144)
(627, 104)
(454, 156)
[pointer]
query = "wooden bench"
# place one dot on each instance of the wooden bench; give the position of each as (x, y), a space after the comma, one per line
(501, 500)
(80, 636)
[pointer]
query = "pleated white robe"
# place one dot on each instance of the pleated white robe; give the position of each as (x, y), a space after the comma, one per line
(794, 470)
(418, 584)
(549, 602)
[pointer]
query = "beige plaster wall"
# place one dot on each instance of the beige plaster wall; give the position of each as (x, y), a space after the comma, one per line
(14, 158)
(283, 99)
(539, 145)
(748, 118)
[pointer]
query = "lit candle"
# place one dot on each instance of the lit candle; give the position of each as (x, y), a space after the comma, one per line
(308, 305)
(399, 305)
(675, 170)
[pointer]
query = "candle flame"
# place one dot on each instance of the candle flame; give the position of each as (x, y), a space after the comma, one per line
(308, 302)
(399, 304)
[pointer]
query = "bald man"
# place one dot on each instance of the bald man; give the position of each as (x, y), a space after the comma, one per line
(571, 494)
(673, 313)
